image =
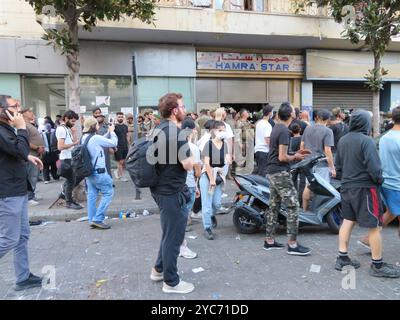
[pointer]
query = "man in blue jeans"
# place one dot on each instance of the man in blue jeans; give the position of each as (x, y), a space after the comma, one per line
(100, 181)
(171, 193)
(14, 222)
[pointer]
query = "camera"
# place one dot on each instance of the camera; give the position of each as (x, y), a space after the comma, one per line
(101, 170)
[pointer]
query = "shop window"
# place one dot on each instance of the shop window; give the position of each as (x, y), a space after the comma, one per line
(48, 96)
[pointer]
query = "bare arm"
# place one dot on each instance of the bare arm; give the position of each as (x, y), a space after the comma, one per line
(61, 145)
(187, 164)
(197, 170)
(329, 157)
(302, 145)
(209, 170)
(284, 157)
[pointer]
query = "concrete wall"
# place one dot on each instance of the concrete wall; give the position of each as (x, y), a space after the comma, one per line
(98, 58)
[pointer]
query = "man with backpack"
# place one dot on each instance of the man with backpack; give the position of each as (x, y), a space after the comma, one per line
(171, 192)
(98, 181)
(65, 143)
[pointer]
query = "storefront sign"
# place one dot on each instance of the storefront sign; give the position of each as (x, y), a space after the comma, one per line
(249, 62)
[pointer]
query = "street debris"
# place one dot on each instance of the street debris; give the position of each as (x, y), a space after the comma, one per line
(237, 237)
(35, 223)
(315, 268)
(83, 219)
(192, 237)
(47, 222)
(197, 270)
(146, 213)
(96, 241)
(99, 283)
(216, 295)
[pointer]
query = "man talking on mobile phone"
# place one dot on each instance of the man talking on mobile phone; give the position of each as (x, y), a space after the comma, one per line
(14, 186)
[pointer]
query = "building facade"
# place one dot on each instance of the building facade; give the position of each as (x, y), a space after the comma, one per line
(237, 53)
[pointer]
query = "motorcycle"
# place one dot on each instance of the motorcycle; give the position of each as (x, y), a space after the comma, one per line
(252, 201)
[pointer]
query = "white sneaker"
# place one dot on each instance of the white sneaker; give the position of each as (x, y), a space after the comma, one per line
(156, 276)
(37, 197)
(33, 203)
(124, 180)
(224, 195)
(186, 253)
(116, 174)
(46, 182)
(182, 287)
(223, 209)
(196, 215)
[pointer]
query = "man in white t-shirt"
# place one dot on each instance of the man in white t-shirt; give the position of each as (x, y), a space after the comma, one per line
(263, 133)
(65, 143)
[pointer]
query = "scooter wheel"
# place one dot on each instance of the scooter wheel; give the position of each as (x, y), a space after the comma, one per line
(334, 220)
(244, 224)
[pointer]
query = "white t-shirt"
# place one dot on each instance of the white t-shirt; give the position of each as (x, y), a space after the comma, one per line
(229, 132)
(263, 130)
(203, 140)
(190, 179)
(63, 132)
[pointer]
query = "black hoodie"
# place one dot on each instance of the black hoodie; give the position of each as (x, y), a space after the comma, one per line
(357, 159)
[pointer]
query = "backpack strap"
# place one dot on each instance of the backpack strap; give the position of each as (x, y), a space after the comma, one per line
(85, 146)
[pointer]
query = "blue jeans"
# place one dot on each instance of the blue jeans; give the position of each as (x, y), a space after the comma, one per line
(99, 183)
(210, 203)
(189, 205)
(14, 233)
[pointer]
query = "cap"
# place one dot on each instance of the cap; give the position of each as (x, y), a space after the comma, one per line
(89, 122)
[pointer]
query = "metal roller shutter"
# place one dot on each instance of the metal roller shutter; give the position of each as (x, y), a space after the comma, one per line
(344, 95)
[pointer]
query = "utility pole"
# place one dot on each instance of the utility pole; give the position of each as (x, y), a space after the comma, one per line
(135, 112)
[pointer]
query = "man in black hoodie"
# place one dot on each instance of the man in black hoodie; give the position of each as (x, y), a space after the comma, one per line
(359, 168)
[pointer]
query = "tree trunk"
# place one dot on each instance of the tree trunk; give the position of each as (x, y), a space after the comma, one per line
(73, 76)
(375, 99)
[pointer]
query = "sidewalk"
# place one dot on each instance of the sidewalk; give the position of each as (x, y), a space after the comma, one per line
(124, 199)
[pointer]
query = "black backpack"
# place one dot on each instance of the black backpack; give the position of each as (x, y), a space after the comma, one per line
(81, 162)
(143, 173)
(53, 142)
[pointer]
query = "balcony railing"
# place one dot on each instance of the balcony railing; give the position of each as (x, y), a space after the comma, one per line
(262, 6)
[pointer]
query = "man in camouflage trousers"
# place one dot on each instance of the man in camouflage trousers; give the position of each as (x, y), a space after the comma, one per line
(281, 184)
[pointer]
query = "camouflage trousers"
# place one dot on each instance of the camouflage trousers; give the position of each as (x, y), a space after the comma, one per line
(282, 192)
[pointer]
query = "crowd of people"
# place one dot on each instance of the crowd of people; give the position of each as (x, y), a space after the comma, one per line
(215, 144)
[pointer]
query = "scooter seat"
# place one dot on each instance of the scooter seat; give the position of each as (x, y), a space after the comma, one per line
(258, 179)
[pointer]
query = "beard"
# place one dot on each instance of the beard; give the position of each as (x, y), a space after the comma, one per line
(180, 116)
(69, 124)
(120, 121)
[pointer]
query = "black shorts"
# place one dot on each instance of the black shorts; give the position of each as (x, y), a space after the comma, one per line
(121, 154)
(363, 205)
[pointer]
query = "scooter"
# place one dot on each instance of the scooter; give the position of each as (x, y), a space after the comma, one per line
(252, 201)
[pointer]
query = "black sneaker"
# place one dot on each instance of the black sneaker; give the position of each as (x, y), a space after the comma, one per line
(340, 263)
(214, 222)
(275, 245)
(74, 206)
(32, 282)
(76, 203)
(208, 234)
(61, 196)
(298, 251)
(386, 271)
(100, 225)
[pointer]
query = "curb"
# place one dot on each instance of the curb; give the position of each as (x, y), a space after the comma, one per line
(112, 213)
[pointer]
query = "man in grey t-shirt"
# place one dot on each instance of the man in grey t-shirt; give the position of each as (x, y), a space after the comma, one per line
(319, 139)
